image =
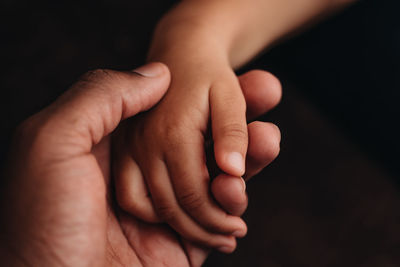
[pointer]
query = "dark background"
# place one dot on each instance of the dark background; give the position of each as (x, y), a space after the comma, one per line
(332, 196)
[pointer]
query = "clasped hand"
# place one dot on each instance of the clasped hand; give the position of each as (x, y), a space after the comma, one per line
(58, 200)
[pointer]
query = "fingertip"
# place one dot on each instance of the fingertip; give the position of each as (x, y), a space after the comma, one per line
(235, 163)
(262, 91)
(240, 233)
(262, 80)
(263, 137)
(264, 146)
(272, 144)
(227, 249)
(144, 88)
(230, 193)
(228, 160)
(275, 86)
(278, 133)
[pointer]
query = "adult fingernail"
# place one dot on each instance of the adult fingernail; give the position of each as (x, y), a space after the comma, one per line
(239, 233)
(235, 159)
(225, 249)
(243, 185)
(150, 70)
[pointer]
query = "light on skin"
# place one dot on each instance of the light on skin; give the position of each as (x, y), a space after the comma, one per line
(202, 43)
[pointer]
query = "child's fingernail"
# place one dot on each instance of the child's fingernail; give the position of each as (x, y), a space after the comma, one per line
(236, 160)
(149, 70)
(225, 249)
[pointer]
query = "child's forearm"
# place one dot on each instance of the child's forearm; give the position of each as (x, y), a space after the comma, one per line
(235, 30)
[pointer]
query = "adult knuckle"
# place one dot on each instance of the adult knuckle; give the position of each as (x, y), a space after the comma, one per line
(275, 87)
(97, 75)
(31, 128)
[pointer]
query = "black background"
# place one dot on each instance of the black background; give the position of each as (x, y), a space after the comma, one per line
(331, 198)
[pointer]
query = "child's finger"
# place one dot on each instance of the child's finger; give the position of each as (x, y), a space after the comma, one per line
(229, 127)
(169, 210)
(131, 190)
(191, 185)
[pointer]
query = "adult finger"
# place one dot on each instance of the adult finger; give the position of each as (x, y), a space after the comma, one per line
(262, 92)
(264, 146)
(230, 192)
(96, 104)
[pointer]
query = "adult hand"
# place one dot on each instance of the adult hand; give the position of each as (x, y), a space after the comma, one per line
(57, 203)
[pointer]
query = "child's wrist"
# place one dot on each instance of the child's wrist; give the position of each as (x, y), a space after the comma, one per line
(187, 39)
(191, 50)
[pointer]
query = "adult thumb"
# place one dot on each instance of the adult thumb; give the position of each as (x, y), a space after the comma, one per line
(94, 106)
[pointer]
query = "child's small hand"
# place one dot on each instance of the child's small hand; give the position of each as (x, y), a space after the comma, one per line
(168, 142)
(132, 191)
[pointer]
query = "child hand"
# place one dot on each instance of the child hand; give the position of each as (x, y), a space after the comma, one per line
(167, 143)
(132, 191)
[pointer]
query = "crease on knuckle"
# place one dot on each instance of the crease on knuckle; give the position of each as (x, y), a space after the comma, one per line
(166, 212)
(191, 201)
(234, 130)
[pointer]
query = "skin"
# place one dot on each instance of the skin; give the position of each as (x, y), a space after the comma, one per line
(58, 204)
(202, 42)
